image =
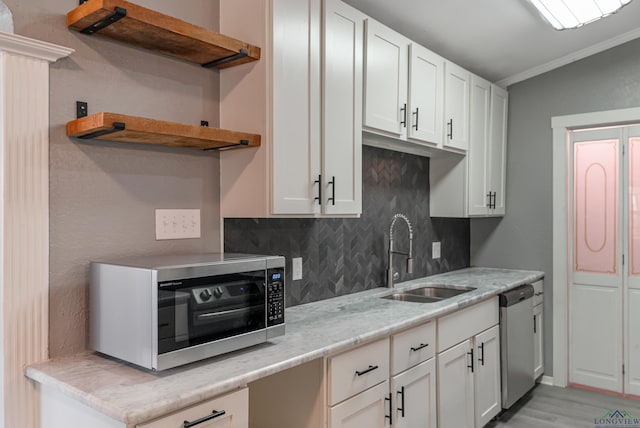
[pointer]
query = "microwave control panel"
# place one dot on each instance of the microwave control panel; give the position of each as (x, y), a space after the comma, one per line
(275, 296)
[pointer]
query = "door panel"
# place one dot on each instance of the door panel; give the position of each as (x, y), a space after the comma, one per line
(426, 73)
(488, 388)
(367, 409)
(387, 57)
(455, 387)
(479, 146)
(417, 409)
(456, 107)
(296, 106)
(596, 290)
(342, 118)
(595, 337)
(596, 206)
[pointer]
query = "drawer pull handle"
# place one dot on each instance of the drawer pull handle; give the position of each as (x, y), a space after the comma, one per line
(422, 346)
(215, 414)
(364, 372)
(481, 359)
(471, 366)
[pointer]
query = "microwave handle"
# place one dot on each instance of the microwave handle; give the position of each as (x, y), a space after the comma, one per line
(214, 315)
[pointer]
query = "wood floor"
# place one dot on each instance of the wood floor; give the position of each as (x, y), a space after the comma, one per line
(548, 406)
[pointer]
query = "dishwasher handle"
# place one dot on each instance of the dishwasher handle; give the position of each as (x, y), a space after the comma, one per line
(517, 295)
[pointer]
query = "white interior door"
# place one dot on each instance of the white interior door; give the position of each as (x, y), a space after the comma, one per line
(632, 292)
(595, 295)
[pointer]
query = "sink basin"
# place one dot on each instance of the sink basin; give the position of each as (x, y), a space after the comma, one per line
(438, 292)
(428, 294)
(405, 297)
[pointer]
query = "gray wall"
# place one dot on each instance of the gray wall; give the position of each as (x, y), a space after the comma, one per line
(103, 195)
(523, 238)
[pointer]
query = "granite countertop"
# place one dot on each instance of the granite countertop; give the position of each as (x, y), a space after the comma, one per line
(132, 395)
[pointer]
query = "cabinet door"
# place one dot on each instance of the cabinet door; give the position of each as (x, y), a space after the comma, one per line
(488, 398)
(538, 344)
(296, 106)
(456, 107)
(414, 392)
(498, 148)
(477, 156)
(426, 89)
(228, 411)
(342, 127)
(455, 387)
(386, 72)
(368, 409)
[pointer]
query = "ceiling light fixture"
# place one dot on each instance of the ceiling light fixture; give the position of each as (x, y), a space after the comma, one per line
(565, 14)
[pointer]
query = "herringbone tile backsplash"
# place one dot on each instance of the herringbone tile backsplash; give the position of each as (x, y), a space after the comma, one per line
(342, 256)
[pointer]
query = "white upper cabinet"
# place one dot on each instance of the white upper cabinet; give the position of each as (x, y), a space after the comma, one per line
(474, 185)
(305, 97)
(342, 109)
(426, 95)
(478, 156)
(296, 106)
(456, 107)
(498, 149)
(386, 80)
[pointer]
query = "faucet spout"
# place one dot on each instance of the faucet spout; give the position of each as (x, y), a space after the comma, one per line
(409, 254)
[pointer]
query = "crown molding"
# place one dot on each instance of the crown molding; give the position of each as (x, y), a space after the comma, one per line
(568, 59)
(16, 44)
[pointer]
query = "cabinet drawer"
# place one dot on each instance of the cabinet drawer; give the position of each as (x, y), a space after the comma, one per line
(461, 325)
(413, 346)
(538, 292)
(235, 407)
(358, 369)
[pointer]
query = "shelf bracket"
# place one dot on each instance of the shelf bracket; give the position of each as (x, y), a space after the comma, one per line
(117, 126)
(217, 62)
(116, 16)
(242, 143)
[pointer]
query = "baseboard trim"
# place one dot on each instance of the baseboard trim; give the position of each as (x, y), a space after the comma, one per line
(546, 380)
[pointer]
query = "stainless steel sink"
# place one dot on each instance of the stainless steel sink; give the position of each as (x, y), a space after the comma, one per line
(428, 294)
(404, 297)
(438, 292)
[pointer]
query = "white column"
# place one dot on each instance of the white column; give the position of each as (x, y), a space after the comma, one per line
(24, 221)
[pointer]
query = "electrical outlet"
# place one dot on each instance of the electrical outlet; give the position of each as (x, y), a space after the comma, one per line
(435, 250)
(177, 224)
(296, 267)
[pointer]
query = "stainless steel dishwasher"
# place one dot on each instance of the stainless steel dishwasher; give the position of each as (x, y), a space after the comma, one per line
(516, 343)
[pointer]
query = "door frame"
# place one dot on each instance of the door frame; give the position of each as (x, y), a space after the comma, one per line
(561, 125)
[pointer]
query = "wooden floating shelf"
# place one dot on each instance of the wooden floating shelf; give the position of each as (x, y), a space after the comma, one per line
(129, 23)
(132, 129)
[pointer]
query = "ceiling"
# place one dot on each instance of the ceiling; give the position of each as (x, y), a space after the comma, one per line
(505, 41)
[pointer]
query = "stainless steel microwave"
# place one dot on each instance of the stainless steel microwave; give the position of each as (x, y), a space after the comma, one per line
(165, 311)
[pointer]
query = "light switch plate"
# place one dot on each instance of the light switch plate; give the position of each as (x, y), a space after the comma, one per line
(177, 224)
(435, 250)
(296, 268)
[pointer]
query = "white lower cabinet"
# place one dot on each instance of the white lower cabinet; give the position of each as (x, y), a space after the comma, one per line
(414, 397)
(488, 398)
(455, 387)
(391, 382)
(469, 393)
(228, 411)
(58, 410)
(538, 329)
(538, 343)
(368, 409)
